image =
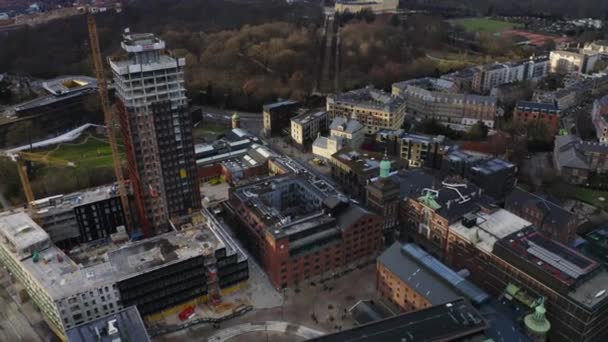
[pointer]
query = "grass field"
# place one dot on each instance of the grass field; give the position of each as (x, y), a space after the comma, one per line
(484, 25)
(90, 151)
(592, 197)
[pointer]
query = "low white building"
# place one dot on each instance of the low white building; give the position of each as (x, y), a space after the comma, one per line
(350, 130)
(325, 147)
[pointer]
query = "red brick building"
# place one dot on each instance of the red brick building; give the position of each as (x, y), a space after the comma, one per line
(545, 114)
(299, 227)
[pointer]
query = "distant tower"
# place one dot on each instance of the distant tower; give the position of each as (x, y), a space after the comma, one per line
(537, 325)
(383, 198)
(236, 120)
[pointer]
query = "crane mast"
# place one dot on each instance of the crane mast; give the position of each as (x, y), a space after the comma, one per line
(102, 85)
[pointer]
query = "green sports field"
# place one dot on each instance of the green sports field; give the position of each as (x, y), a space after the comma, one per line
(484, 24)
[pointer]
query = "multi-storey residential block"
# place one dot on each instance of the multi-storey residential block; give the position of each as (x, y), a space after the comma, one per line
(493, 75)
(532, 113)
(306, 127)
(429, 98)
(417, 150)
(80, 217)
(577, 160)
(300, 227)
(599, 115)
(157, 130)
(373, 108)
(276, 116)
(573, 61)
(549, 217)
(350, 131)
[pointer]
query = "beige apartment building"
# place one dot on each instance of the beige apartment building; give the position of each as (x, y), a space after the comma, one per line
(373, 108)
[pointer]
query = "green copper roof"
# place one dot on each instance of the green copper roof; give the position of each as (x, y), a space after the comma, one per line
(235, 116)
(429, 199)
(537, 322)
(385, 168)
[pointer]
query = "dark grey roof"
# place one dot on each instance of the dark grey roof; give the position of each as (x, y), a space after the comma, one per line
(453, 207)
(413, 181)
(520, 199)
(351, 215)
(128, 322)
(537, 106)
(421, 279)
(453, 321)
(366, 311)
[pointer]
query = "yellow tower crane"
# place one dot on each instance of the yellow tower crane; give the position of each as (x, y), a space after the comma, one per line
(102, 85)
(20, 158)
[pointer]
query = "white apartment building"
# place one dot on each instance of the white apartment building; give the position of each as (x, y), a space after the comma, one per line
(350, 131)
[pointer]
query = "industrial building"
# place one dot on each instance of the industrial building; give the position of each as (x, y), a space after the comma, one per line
(80, 217)
(373, 108)
(157, 130)
(195, 263)
(300, 227)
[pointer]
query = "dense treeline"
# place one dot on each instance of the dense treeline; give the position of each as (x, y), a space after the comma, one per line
(195, 27)
(548, 8)
(387, 50)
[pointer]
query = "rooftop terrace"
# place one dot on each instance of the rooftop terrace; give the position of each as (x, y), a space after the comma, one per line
(487, 228)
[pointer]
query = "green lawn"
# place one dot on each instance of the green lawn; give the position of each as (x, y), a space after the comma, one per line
(592, 196)
(90, 151)
(485, 25)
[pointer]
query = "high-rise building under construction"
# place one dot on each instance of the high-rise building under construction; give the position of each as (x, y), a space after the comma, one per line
(157, 130)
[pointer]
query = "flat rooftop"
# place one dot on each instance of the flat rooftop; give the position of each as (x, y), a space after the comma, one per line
(61, 276)
(369, 97)
(22, 234)
(128, 324)
(162, 250)
(489, 228)
(69, 84)
(309, 115)
(453, 321)
(493, 165)
(563, 263)
(59, 203)
(362, 161)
